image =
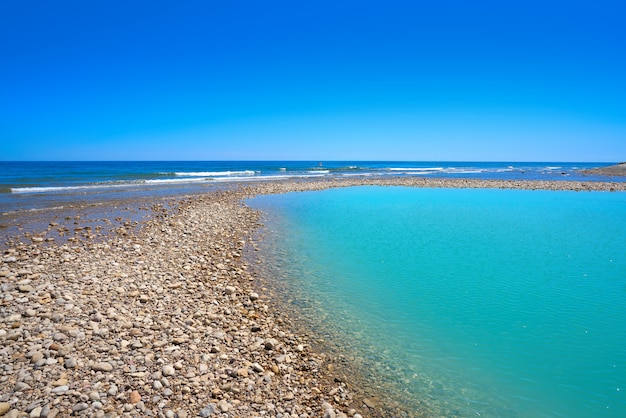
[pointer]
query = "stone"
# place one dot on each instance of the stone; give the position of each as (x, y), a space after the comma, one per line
(4, 408)
(168, 370)
(330, 413)
(370, 402)
(45, 411)
(81, 406)
(135, 397)
(208, 410)
(270, 344)
(102, 366)
(21, 386)
(223, 405)
(13, 318)
(60, 389)
(37, 357)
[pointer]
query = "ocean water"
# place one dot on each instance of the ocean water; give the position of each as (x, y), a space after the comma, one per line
(26, 186)
(491, 303)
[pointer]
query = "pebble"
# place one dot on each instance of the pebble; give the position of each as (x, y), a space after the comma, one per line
(135, 397)
(21, 386)
(168, 370)
(80, 407)
(102, 366)
(208, 410)
(223, 405)
(60, 389)
(330, 413)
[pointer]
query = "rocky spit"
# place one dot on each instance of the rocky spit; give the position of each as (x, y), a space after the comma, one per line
(613, 170)
(164, 318)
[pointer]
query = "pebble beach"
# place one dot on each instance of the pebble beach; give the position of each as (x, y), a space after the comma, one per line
(165, 317)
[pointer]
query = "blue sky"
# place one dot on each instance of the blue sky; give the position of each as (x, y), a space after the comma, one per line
(367, 80)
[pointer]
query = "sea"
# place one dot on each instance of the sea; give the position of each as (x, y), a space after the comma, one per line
(32, 186)
(451, 302)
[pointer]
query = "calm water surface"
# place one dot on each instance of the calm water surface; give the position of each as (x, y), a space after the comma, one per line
(482, 302)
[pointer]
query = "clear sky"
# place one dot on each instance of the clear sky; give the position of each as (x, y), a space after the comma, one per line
(313, 80)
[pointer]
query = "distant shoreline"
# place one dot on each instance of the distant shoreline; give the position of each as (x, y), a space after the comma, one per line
(613, 170)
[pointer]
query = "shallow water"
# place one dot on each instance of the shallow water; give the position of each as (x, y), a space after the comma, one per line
(481, 302)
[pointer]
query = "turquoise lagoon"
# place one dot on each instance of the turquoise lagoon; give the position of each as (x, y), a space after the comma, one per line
(492, 303)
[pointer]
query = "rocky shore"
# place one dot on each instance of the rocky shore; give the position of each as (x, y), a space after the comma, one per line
(613, 170)
(165, 318)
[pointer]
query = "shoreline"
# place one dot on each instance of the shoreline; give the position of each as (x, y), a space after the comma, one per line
(164, 317)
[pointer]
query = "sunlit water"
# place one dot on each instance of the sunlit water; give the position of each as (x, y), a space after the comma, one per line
(481, 302)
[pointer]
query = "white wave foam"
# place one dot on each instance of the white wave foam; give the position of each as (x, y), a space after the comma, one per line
(100, 186)
(319, 171)
(466, 171)
(49, 189)
(420, 173)
(163, 182)
(264, 178)
(361, 174)
(173, 181)
(415, 169)
(215, 173)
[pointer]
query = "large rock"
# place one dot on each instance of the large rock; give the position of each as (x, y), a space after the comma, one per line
(612, 170)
